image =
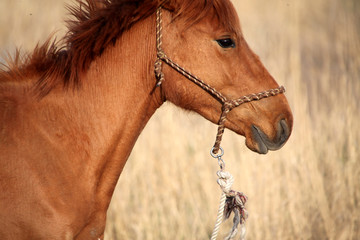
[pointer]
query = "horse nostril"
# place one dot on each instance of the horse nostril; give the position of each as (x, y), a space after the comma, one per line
(265, 143)
(283, 132)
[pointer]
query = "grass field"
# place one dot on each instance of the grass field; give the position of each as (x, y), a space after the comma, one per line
(310, 189)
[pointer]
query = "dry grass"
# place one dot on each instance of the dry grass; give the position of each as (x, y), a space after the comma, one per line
(308, 190)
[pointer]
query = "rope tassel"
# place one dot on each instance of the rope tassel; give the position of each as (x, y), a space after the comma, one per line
(235, 202)
(230, 201)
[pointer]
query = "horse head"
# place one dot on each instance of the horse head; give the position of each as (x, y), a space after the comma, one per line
(213, 47)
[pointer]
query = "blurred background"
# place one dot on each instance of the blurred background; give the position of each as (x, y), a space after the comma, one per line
(310, 189)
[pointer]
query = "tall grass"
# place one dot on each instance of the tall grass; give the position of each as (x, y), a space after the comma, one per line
(310, 189)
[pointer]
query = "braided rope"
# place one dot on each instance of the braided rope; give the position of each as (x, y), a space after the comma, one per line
(193, 78)
(228, 105)
(158, 63)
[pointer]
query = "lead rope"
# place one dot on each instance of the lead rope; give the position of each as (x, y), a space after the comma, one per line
(230, 201)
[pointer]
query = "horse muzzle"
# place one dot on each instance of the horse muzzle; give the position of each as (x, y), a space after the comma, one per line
(262, 143)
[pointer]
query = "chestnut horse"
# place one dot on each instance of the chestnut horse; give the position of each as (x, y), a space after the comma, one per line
(70, 114)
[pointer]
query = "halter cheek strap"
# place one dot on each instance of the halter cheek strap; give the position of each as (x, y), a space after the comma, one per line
(227, 104)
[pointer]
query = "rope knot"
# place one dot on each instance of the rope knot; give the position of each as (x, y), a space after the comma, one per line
(235, 202)
(227, 106)
(161, 55)
(158, 72)
(225, 180)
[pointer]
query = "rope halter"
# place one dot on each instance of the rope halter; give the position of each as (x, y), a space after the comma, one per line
(227, 104)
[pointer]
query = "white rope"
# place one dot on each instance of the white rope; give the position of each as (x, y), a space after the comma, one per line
(225, 181)
(236, 202)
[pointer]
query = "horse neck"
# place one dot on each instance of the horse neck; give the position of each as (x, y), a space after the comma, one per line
(111, 107)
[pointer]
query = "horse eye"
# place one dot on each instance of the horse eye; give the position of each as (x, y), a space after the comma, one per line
(226, 43)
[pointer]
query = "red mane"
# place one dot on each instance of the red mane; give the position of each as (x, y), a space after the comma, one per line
(95, 25)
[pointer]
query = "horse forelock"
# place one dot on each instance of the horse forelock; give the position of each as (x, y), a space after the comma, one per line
(96, 24)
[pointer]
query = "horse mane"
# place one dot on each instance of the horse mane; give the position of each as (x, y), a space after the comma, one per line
(95, 25)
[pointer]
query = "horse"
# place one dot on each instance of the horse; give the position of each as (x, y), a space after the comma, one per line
(72, 110)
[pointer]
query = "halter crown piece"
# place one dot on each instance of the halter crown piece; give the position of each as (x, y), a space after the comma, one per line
(227, 104)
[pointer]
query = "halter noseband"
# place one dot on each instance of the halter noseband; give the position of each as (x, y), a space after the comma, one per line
(227, 104)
